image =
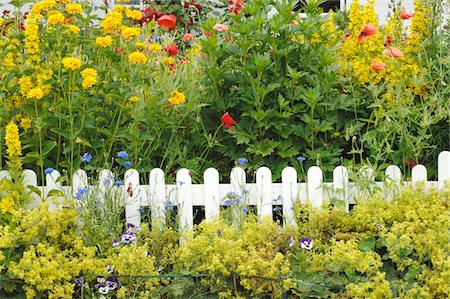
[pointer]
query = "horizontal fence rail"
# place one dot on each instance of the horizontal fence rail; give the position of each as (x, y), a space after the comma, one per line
(265, 195)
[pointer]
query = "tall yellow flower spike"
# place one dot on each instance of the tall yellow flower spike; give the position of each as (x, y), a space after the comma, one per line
(12, 140)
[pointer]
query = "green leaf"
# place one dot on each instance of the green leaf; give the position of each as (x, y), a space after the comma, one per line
(62, 132)
(34, 189)
(367, 244)
(263, 148)
(55, 192)
(48, 146)
(413, 271)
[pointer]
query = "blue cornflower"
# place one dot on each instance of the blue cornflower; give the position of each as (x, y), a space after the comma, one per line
(122, 154)
(227, 203)
(80, 192)
(301, 159)
(242, 161)
(168, 203)
(245, 209)
(276, 209)
(86, 158)
(48, 170)
(127, 164)
(118, 183)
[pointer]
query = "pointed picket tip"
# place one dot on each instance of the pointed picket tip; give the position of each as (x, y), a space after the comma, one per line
(443, 168)
(419, 173)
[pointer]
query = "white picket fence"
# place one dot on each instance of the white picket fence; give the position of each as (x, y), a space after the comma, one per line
(263, 193)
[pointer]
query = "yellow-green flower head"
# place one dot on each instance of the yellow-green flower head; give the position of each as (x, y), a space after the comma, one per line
(12, 140)
(71, 63)
(74, 8)
(137, 57)
(103, 42)
(177, 98)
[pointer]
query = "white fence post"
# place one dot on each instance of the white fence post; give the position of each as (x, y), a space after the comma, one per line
(443, 168)
(340, 185)
(52, 184)
(315, 190)
(419, 173)
(264, 191)
(156, 197)
(211, 193)
(132, 197)
(290, 194)
(393, 179)
(186, 210)
(238, 180)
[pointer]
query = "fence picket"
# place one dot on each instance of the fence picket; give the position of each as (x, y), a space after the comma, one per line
(443, 168)
(340, 185)
(132, 195)
(211, 193)
(264, 191)
(315, 190)
(290, 194)
(156, 196)
(184, 185)
(419, 173)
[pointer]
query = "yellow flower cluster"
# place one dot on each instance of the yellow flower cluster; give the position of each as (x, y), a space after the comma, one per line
(133, 14)
(55, 18)
(177, 98)
(41, 6)
(112, 22)
(72, 29)
(129, 33)
(35, 93)
(137, 57)
(155, 48)
(7, 204)
(12, 140)
(134, 99)
(71, 63)
(74, 8)
(89, 76)
(103, 42)
(32, 39)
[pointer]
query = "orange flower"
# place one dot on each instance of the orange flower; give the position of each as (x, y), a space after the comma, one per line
(406, 16)
(188, 37)
(393, 52)
(368, 31)
(377, 66)
(228, 121)
(167, 21)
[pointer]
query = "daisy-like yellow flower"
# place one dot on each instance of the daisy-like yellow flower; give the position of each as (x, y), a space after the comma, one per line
(25, 123)
(73, 29)
(74, 8)
(133, 14)
(111, 22)
(103, 42)
(130, 32)
(35, 93)
(55, 17)
(168, 60)
(177, 98)
(134, 99)
(137, 57)
(155, 48)
(89, 72)
(12, 141)
(71, 63)
(89, 82)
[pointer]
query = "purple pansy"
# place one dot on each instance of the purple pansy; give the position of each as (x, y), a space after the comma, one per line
(306, 243)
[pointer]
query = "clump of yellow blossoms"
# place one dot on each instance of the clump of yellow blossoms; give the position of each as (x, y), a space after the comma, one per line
(112, 22)
(137, 57)
(177, 98)
(104, 41)
(12, 140)
(55, 17)
(74, 8)
(89, 76)
(133, 14)
(129, 33)
(71, 63)
(73, 29)
(155, 48)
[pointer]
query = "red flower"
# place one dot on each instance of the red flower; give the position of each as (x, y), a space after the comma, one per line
(235, 6)
(167, 21)
(173, 50)
(368, 31)
(410, 163)
(377, 66)
(406, 16)
(150, 14)
(393, 52)
(228, 121)
(187, 37)
(388, 41)
(346, 37)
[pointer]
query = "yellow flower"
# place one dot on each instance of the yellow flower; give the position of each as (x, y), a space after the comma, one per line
(1, 21)
(89, 82)
(130, 32)
(35, 93)
(25, 123)
(7, 204)
(89, 72)
(72, 29)
(103, 41)
(13, 146)
(42, 6)
(155, 48)
(55, 17)
(137, 57)
(168, 60)
(74, 8)
(177, 98)
(134, 99)
(71, 63)
(111, 22)
(25, 85)
(134, 14)
(140, 44)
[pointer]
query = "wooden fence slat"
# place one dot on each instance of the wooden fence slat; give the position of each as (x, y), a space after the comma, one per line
(237, 180)
(315, 190)
(443, 168)
(264, 191)
(393, 174)
(290, 194)
(184, 184)
(52, 184)
(80, 180)
(156, 197)
(340, 185)
(132, 202)
(419, 173)
(211, 193)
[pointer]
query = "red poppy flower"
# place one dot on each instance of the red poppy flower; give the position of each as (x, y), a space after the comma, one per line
(406, 16)
(368, 31)
(411, 163)
(393, 52)
(377, 66)
(172, 50)
(228, 121)
(167, 21)
(388, 41)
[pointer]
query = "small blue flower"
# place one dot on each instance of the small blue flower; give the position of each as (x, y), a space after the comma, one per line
(227, 203)
(245, 209)
(80, 192)
(168, 203)
(122, 154)
(130, 225)
(127, 164)
(242, 161)
(115, 243)
(301, 159)
(279, 198)
(86, 158)
(118, 183)
(276, 209)
(48, 170)
(141, 211)
(231, 194)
